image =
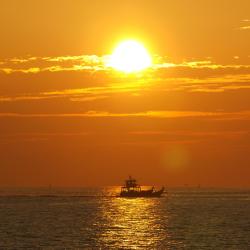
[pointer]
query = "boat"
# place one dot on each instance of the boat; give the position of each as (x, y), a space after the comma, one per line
(132, 189)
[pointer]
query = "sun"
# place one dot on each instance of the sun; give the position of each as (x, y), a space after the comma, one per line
(130, 56)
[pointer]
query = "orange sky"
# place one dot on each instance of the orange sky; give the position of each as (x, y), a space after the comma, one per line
(68, 120)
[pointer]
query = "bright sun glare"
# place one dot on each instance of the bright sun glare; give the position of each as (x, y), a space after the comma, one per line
(130, 56)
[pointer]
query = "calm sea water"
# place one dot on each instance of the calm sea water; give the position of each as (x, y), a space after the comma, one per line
(95, 219)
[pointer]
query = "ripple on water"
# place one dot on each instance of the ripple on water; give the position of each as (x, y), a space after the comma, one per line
(198, 219)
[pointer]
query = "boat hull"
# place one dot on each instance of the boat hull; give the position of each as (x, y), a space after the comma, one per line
(143, 193)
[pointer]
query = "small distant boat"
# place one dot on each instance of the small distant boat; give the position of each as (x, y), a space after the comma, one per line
(132, 189)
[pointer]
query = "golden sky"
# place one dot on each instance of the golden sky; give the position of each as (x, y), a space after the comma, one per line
(67, 119)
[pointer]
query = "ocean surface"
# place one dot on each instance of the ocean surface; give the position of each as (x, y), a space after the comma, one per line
(94, 218)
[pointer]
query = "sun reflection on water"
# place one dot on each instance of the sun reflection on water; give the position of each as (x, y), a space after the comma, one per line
(132, 223)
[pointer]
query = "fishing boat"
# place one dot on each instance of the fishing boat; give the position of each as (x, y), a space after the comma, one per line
(132, 189)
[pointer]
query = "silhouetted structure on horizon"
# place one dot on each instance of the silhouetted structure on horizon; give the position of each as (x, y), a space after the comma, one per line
(132, 189)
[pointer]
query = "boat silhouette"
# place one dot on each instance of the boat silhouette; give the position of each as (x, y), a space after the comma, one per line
(132, 189)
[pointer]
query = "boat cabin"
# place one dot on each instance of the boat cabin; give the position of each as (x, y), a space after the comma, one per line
(131, 185)
(132, 189)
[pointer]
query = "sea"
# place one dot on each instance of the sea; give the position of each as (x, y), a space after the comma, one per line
(95, 218)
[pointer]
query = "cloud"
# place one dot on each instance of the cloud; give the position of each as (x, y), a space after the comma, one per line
(87, 99)
(54, 64)
(241, 115)
(52, 69)
(199, 64)
(206, 85)
(185, 133)
(245, 27)
(97, 63)
(188, 136)
(82, 94)
(88, 59)
(187, 76)
(15, 135)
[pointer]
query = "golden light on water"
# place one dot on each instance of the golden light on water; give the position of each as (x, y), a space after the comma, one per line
(133, 222)
(130, 56)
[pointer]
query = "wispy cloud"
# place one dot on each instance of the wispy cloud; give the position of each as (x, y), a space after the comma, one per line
(54, 64)
(88, 98)
(82, 94)
(15, 135)
(162, 84)
(245, 25)
(242, 115)
(188, 76)
(97, 63)
(190, 133)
